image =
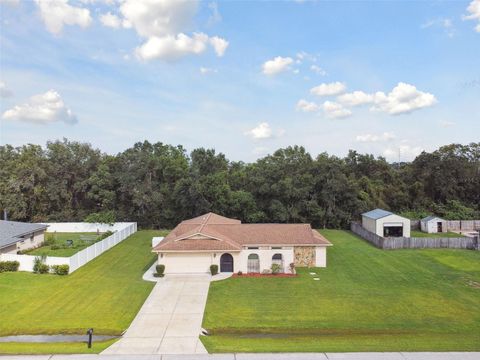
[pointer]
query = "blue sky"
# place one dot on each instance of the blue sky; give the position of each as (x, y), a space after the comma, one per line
(245, 78)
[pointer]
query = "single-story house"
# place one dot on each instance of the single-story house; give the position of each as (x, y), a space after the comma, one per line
(208, 239)
(385, 223)
(433, 224)
(16, 236)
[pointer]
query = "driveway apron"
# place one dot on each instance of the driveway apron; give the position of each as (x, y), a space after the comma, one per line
(170, 320)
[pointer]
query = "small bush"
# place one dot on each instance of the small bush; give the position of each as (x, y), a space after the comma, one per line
(9, 266)
(276, 268)
(43, 269)
(106, 234)
(239, 273)
(60, 269)
(160, 269)
(214, 269)
(49, 239)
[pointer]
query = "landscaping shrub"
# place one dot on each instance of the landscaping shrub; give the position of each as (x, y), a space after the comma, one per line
(106, 234)
(9, 266)
(214, 269)
(276, 268)
(160, 269)
(39, 266)
(240, 273)
(60, 269)
(43, 269)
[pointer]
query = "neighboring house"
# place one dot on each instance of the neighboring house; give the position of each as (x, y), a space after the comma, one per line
(386, 224)
(208, 239)
(433, 224)
(16, 236)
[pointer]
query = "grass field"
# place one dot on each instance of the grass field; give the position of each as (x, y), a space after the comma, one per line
(57, 244)
(367, 299)
(416, 233)
(54, 348)
(105, 294)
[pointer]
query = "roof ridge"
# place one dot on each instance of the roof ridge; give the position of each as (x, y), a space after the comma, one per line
(205, 222)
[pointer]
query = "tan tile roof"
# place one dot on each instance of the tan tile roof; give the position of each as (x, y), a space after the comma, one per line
(215, 232)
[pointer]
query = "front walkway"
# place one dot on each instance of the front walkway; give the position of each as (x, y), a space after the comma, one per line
(170, 320)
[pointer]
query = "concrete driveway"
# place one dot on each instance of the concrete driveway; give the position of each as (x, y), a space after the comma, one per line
(170, 320)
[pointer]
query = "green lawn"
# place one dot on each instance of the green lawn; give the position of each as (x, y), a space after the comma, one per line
(54, 348)
(416, 233)
(56, 244)
(367, 299)
(105, 294)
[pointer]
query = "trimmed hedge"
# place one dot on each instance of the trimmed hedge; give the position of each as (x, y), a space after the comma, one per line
(214, 269)
(9, 266)
(160, 269)
(60, 269)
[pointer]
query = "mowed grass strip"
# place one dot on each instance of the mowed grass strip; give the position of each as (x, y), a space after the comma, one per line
(105, 294)
(421, 234)
(412, 299)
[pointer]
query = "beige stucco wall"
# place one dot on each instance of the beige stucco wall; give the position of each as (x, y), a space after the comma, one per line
(31, 242)
(199, 262)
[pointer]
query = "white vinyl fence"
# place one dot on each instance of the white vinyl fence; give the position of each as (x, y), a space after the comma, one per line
(121, 232)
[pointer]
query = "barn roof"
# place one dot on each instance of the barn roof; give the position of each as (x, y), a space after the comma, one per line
(431, 217)
(377, 214)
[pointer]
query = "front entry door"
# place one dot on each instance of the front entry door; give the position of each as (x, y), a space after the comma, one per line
(226, 263)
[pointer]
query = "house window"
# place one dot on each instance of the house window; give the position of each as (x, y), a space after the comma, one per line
(253, 247)
(278, 259)
(253, 263)
(276, 248)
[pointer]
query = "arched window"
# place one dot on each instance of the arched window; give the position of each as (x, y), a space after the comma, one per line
(278, 259)
(253, 263)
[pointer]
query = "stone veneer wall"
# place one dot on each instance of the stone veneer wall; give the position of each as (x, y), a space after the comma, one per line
(304, 256)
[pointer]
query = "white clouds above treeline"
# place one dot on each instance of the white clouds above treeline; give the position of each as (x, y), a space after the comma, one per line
(164, 25)
(42, 109)
(264, 131)
(403, 99)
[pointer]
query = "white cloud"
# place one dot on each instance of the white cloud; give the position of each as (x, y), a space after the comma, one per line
(159, 18)
(219, 45)
(335, 110)
(57, 13)
(307, 106)
(368, 138)
(42, 109)
(110, 20)
(403, 99)
(474, 13)
(4, 91)
(205, 70)
(403, 152)
(277, 65)
(164, 24)
(445, 23)
(215, 17)
(355, 98)
(261, 131)
(172, 47)
(10, 2)
(318, 70)
(329, 89)
(446, 124)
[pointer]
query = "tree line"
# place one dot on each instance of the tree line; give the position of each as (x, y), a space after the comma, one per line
(158, 185)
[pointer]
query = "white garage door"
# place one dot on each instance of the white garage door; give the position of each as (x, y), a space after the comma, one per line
(186, 263)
